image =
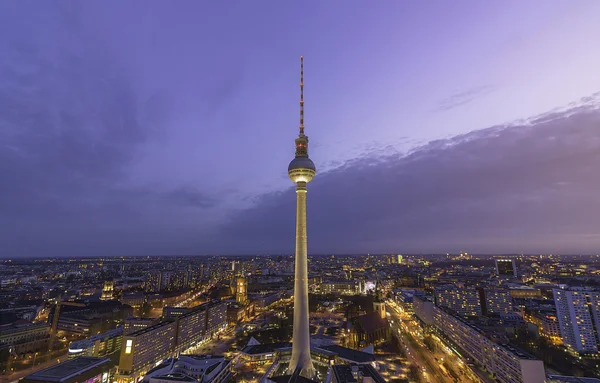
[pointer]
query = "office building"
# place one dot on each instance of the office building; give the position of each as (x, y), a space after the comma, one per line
(342, 287)
(506, 267)
(97, 345)
(107, 291)
(578, 312)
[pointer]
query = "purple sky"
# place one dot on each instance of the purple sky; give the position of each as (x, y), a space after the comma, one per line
(147, 127)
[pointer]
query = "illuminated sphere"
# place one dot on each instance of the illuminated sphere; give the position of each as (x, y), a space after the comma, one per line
(301, 169)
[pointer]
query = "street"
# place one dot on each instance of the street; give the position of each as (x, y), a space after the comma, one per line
(431, 364)
(15, 376)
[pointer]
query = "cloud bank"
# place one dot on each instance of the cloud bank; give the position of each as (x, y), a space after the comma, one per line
(529, 187)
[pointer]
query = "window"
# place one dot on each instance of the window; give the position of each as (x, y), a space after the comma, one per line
(128, 346)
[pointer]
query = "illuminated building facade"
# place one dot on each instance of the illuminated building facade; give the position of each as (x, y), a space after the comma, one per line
(578, 312)
(241, 291)
(495, 301)
(107, 291)
(463, 301)
(97, 345)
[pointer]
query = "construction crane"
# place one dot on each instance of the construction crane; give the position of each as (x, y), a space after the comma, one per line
(54, 328)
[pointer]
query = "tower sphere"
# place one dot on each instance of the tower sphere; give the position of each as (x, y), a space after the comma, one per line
(301, 169)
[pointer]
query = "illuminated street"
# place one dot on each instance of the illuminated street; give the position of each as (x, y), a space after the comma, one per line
(431, 364)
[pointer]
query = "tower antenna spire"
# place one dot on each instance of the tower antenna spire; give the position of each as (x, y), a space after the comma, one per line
(301, 96)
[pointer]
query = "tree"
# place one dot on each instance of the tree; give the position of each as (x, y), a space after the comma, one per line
(429, 343)
(414, 373)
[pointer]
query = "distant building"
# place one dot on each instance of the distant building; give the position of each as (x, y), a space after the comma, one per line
(261, 301)
(107, 291)
(342, 287)
(241, 292)
(578, 312)
(525, 292)
(506, 267)
(83, 369)
(135, 300)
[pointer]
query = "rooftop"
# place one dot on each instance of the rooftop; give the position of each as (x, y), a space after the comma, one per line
(349, 354)
(344, 373)
(85, 343)
(69, 369)
(265, 348)
(291, 379)
(151, 328)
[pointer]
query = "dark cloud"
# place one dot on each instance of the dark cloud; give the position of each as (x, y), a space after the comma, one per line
(532, 187)
(191, 197)
(464, 97)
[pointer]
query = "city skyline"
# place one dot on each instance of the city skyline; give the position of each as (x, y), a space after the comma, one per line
(135, 141)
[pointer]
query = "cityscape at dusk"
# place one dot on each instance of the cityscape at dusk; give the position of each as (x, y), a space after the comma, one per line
(309, 192)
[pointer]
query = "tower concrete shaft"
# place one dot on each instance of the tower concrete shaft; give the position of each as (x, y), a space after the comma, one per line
(301, 171)
(301, 337)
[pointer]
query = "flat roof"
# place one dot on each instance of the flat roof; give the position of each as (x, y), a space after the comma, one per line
(67, 370)
(265, 348)
(571, 379)
(343, 373)
(150, 328)
(349, 354)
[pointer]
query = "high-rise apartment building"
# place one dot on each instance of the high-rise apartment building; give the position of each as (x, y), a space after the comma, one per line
(495, 301)
(142, 349)
(578, 312)
(505, 363)
(464, 301)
